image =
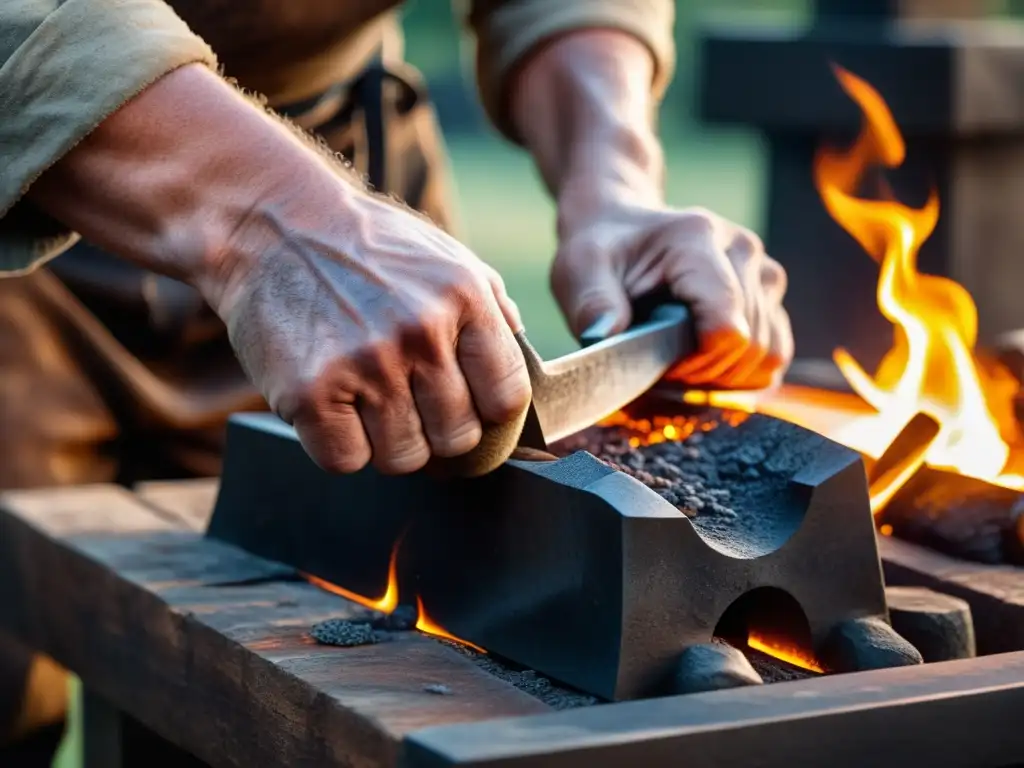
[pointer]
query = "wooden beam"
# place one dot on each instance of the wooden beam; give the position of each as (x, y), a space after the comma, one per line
(189, 501)
(959, 713)
(994, 592)
(208, 646)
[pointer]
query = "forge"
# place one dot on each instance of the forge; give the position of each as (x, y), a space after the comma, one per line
(585, 566)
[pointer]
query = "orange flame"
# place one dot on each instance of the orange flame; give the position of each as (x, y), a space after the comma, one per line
(783, 651)
(389, 601)
(385, 604)
(932, 367)
(428, 626)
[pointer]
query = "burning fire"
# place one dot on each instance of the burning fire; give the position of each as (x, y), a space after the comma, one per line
(784, 651)
(661, 428)
(389, 602)
(385, 604)
(932, 367)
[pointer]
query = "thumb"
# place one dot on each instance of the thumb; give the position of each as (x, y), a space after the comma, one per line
(593, 299)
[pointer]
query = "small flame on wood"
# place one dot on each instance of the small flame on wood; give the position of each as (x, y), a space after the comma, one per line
(389, 602)
(428, 626)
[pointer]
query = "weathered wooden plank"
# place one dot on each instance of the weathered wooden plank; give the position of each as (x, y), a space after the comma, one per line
(209, 648)
(995, 593)
(190, 501)
(961, 714)
(100, 508)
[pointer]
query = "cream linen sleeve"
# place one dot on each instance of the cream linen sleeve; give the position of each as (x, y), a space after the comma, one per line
(506, 31)
(65, 66)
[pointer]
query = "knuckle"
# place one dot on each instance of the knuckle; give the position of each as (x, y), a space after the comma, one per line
(699, 222)
(331, 451)
(412, 456)
(375, 358)
(456, 440)
(431, 330)
(300, 398)
(774, 276)
(748, 243)
(510, 395)
(344, 462)
(468, 286)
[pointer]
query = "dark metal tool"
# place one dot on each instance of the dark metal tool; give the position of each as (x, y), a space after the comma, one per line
(578, 390)
(567, 566)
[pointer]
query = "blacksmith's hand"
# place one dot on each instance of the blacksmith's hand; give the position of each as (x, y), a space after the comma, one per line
(583, 106)
(720, 269)
(378, 336)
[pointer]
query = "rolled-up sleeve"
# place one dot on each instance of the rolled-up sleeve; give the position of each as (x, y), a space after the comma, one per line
(507, 31)
(65, 66)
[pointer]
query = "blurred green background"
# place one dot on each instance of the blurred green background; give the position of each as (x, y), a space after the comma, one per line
(507, 217)
(511, 223)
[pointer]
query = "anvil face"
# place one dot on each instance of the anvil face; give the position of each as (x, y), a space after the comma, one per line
(567, 566)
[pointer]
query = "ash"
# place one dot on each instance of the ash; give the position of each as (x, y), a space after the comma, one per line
(526, 680)
(729, 473)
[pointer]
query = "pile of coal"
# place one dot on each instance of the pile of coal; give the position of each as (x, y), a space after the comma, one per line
(344, 633)
(674, 470)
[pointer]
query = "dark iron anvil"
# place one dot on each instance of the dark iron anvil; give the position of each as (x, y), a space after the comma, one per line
(566, 566)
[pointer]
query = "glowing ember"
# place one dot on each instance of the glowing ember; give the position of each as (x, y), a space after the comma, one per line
(428, 626)
(932, 366)
(661, 428)
(783, 651)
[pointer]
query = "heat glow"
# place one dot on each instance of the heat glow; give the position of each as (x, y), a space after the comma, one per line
(783, 651)
(932, 366)
(385, 604)
(428, 626)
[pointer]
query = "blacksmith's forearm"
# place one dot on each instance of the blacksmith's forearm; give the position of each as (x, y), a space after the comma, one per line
(171, 177)
(585, 110)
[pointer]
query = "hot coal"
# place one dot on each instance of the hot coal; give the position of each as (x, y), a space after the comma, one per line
(726, 472)
(344, 633)
(773, 670)
(960, 516)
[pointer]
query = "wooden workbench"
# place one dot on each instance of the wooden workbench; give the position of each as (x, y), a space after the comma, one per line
(207, 647)
(195, 653)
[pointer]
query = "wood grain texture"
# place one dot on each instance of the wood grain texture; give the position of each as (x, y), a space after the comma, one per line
(190, 502)
(995, 593)
(955, 714)
(208, 646)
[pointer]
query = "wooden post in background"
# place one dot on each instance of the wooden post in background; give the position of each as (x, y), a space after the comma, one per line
(954, 81)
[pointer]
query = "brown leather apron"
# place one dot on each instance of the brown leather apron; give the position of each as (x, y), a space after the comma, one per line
(112, 373)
